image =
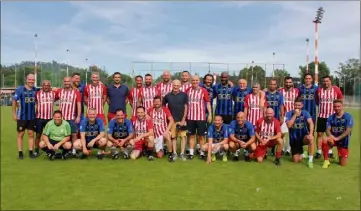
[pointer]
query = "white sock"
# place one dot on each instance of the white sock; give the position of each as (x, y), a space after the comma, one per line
(236, 154)
(310, 158)
(319, 151)
(202, 153)
(198, 146)
(330, 151)
(246, 153)
(99, 152)
(288, 148)
(74, 151)
(191, 151)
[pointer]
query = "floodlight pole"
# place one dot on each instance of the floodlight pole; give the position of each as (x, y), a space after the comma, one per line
(35, 60)
(307, 54)
(319, 16)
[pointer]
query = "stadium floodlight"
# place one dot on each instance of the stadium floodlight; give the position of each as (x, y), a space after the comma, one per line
(307, 54)
(318, 19)
(35, 58)
(67, 65)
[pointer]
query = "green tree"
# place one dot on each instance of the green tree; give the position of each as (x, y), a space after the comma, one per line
(349, 75)
(258, 75)
(323, 70)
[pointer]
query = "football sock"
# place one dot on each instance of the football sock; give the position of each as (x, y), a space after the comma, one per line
(202, 152)
(330, 151)
(20, 153)
(288, 148)
(236, 153)
(310, 158)
(99, 152)
(278, 154)
(149, 151)
(325, 148)
(74, 151)
(191, 151)
(30, 152)
(246, 153)
(319, 151)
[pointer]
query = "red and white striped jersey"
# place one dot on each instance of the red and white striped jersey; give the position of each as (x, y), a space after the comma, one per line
(324, 100)
(165, 88)
(254, 111)
(160, 120)
(95, 96)
(289, 97)
(148, 96)
(267, 130)
(68, 100)
(196, 103)
(141, 127)
(185, 86)
(135, 98)
(45, 104)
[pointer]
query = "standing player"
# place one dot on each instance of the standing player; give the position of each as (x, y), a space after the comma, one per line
(143, 130)
(208, 81)
(95, 96)
(91, 135)
(217, 140)
(76, 84)
(44, 110)
(289, 96)
(166, 85)
(196, 118)
(308, 94)
(338, 130)
(242, 136)
(268, 134)
(120, 132)
(56, 135)
(25, 117)
(324, 98)
(223, 93)
(301, 127)
(117, 95)
(136, 95)
(238, 95)
(149, 92)
(185, 81)
(69, 105)
(255, 106)
(162, 124)
(275, 101)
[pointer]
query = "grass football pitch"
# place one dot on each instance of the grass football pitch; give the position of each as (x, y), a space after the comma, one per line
(191, 185)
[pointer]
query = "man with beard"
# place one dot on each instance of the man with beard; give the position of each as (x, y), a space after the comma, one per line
(166, 85)
(275, 101)
(25, 116)
(76, 84)
(289, 96)
(185, 81)
(208, 81)
(117, 95)
(268, 134)
(69, 105)
(241, 136)
(308, 94)
(324, 99)
(95, 96)
(135, 96)
(238, 95)
(162, 124)
(120, 132)
(338, 130)
(254, 105)
(217, 140)
(44, 110)
(223, 93)
(149, 92)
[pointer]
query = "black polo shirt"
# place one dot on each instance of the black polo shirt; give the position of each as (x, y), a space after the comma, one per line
(176, 104)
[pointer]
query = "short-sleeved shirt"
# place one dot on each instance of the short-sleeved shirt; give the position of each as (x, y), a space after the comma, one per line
(268, 130)
(223, 94)
(324, 100)
(238, 96)
(210, 94)
(95, 96)
(120, 130)
(160, 120)
(308, 96)
(141, 126)
(244, 132)
(176, 104)
(117, 97)
(275, 101)
(299, 128)
(27, 101)
(57, 132)
(91, 130)
(218, 135)
(197, 99)
(339, 126)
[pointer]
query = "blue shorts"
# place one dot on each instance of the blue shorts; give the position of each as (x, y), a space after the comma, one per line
(40, 125)
(73, 126)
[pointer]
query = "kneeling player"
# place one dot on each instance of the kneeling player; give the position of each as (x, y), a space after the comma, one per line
(338, 130)
(120, 131)
(143, 130)
(268, 134)
(91, 135)
(242, 136)
(217, 140)
(56, 135)
(301, 127)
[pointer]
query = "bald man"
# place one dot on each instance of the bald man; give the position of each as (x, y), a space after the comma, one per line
(239, 93)
(166, 85)
(241, 136)
(25, 117)
(268, 135)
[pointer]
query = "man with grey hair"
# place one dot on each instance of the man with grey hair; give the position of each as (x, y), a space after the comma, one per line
(255, 105)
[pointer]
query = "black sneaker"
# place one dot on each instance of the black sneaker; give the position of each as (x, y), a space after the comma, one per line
(126, 156)
(330, 155)
(277, 162)
(83, 156)
(51, 156)
(187, 151)
(58, 156)
(282, 152)
(235, 158)
(144, 153)
(150, 158)
(288, 153)
(198, 151)
(202, 157)
(165, 151)
(100, 156)
(65, 156)
(21, 156)
(247, 158)
(190, 157)
(170, 158)
(318, 155)
(115, 156)
(32, 156)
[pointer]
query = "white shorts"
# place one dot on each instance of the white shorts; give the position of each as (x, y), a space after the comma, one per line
(284, 128)
(158, 143)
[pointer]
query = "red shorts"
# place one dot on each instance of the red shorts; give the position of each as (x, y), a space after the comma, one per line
(102, 117)
(261, 150)
(112, 115)
(342, 152)
(139, 145)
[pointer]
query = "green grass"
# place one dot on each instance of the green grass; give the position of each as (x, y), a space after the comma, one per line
(91, 184)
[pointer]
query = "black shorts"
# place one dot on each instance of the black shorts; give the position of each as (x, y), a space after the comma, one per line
(297, 146)
(95, 146)
(321, 125)
(40, 124)
(52, 142)
(197, 126)
(227, 119)
(22, 125)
